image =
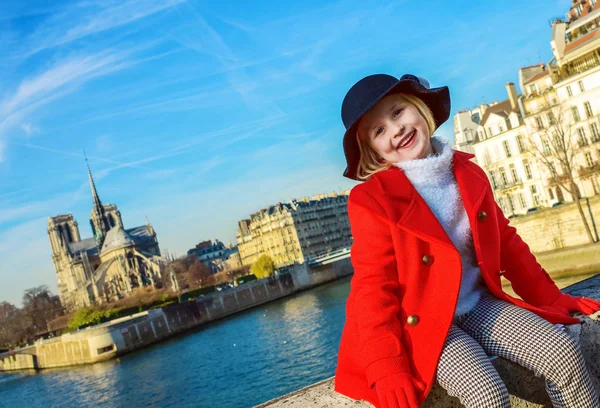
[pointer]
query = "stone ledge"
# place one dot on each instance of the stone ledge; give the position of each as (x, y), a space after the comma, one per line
(527, 391)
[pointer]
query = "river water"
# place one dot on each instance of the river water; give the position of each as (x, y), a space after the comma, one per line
(239, 361)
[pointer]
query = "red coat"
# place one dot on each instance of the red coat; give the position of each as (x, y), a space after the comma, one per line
(407, 276)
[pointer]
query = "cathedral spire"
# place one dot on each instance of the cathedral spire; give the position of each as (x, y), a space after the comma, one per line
(97, 203)
(99, 221)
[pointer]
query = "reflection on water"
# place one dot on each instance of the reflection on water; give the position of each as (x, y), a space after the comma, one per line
(239, 361)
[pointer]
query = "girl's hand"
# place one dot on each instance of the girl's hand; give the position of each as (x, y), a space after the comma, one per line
(398, 391)
(571, 304)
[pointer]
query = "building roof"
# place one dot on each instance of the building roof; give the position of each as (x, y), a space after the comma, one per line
(88, 244)
(573, 45)
(116, 237)
(503, 109)
(142, 236)
(538, 76)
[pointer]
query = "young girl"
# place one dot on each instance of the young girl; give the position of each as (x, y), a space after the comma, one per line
(430, 245)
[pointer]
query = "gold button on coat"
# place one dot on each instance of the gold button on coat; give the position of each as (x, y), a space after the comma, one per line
(427, 259)
(412, 320)
(482, 216)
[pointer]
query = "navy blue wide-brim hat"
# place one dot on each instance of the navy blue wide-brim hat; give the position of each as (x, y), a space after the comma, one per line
(370, 90)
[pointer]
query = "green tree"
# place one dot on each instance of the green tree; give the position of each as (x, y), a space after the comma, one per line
(263, 267)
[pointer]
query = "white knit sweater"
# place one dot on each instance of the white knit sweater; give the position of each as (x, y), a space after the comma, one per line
(434, 180)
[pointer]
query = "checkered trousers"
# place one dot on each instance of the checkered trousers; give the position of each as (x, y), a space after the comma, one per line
(497, 328)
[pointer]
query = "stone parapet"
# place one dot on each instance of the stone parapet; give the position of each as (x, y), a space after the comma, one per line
(527, 391)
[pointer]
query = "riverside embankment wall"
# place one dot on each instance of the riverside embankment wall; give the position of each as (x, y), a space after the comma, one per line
(127, 334)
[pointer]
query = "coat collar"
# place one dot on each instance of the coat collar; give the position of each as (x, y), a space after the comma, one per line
(394, 184)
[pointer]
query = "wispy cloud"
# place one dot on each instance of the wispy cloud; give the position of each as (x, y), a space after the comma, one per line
(40, 89)
(30, 129)
(90, 17)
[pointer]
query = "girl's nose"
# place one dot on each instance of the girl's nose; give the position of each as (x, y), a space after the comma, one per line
(399, 131)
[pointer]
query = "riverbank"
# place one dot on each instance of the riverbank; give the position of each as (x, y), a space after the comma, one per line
(526, 390)
(127, 334)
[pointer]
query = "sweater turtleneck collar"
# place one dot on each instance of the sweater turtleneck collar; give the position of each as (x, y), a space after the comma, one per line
(433, 170)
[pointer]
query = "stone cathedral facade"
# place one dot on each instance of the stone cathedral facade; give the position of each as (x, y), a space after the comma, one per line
(106, 267)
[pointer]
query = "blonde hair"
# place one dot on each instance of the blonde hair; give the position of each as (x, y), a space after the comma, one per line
(369, 162)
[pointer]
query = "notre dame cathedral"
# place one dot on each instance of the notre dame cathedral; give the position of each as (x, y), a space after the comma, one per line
(108, 266)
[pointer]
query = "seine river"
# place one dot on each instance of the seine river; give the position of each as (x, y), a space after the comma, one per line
(239, 361)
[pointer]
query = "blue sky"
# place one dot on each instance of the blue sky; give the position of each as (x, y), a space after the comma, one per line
(196, 114)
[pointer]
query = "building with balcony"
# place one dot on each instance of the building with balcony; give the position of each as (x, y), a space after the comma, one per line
(496, 135)
(560, 100)
(296, 231)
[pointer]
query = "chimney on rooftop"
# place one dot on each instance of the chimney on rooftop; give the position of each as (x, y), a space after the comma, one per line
(512, 95)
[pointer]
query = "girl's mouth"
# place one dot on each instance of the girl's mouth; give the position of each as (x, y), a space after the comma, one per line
(407, 141)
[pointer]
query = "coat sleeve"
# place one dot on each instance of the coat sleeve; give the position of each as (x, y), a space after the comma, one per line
(528, 278)
(375, 285)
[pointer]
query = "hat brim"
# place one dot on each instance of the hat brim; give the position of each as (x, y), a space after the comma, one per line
(437, 99)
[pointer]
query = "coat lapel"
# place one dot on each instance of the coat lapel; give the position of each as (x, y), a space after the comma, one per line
(470, 184)
(416, 217)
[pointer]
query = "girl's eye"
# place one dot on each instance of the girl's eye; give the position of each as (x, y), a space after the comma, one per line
(397, 112)
(379, 131)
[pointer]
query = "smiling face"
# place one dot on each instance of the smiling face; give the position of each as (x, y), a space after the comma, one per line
(395, 130)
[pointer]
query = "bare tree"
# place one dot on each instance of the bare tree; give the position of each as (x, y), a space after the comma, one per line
(197, 273)
(555, 146)
(39, 307)
(11, 330)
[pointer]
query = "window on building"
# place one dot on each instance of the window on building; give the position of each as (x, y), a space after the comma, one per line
(546, 146)
(552, 168)
(594, 132)
(551, 194)
(581, 138)
(507, 148)
(569, 91)
(588, 109)
(503, 176)
(493, 178)
(575, 113)
(500, 129)
(588, 159)
(581, 87)
(520, 144)
(595, 185)
(539, 123)
(489, 131)
(550, 117)
(486, 157)
(527, 170)
(511, 203)
(514, 174)
(522, 200)
(533, 89)
(536, 198)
